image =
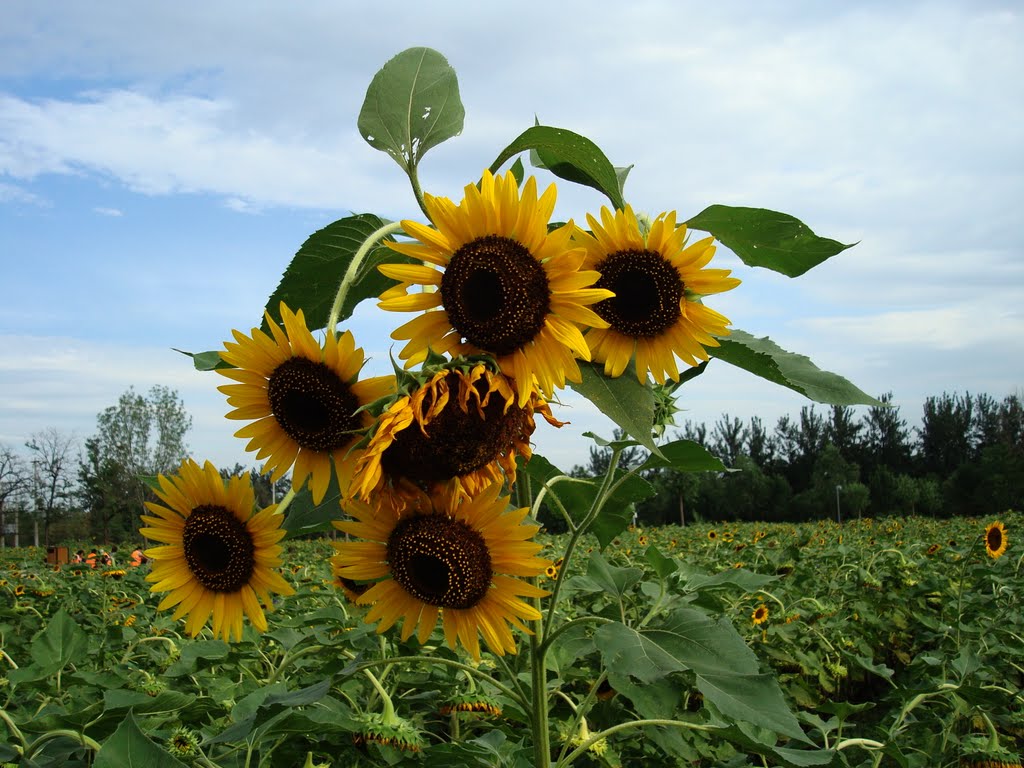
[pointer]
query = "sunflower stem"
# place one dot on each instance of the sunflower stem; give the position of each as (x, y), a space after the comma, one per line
(282, 506)
(349, 278)
(417, 190)
(539, 688)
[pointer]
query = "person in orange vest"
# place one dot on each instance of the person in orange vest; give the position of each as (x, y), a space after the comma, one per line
(138, 558)
(90, 559)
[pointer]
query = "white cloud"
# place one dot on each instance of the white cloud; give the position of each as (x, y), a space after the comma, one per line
(112, 212)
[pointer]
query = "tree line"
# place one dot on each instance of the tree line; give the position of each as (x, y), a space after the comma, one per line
(59, 490)
(965, 458)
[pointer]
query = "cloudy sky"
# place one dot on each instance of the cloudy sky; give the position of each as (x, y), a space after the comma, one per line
(161, 162)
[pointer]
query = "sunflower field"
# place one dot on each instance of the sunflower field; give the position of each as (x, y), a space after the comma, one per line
(401, 605)
(893, 642)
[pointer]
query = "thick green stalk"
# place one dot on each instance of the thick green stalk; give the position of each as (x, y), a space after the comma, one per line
(353, 269)
(539, 689)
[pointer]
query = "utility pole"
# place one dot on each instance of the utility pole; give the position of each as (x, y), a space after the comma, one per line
(839, 517)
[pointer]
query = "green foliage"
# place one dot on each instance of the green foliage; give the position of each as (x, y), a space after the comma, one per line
(769, 239)
(310, 282)
(569, 156)
(766, 359)
(411, 105)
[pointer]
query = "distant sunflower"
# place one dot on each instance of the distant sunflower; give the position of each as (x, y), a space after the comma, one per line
(509, 288)
(444, 554)
(658, 280)
(760, 615)
(303, 398)
(995, 540)
(219, 558)
(459, 424)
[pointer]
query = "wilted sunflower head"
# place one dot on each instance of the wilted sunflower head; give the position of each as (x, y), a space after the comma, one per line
(509, 288)
(463, 422)
(444, 554)
(995, 540)
(219, 557)
(302, 399)
(656, 314)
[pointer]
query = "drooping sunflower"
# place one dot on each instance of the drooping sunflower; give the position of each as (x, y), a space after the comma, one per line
(449, 555)
(509, 288)
(459, 424)
(218, 556)
(995, 539)
(658, 280)
(302, 398)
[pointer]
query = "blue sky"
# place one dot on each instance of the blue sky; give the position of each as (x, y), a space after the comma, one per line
(161, 163)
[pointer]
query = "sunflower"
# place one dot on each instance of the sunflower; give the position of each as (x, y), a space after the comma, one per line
(658, 281)
(219, 557)
(760, 615)
(995, 540)
(509, 288)
(448, 554)
(303, 398)
(459, 424)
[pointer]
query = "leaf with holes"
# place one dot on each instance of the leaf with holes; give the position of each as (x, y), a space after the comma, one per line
(412, 104)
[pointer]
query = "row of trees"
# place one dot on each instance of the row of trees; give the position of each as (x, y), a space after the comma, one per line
(97, 490)
(965, 458)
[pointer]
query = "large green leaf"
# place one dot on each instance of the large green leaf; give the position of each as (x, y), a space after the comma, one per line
(412, 104)
(726, 670)
(602, 576)
(763, 238)
(624, 400)
(569, 156)
(685, 456)
(304, 517)
(61, 643)
(764, 358)
(311, 281)
(129, 747)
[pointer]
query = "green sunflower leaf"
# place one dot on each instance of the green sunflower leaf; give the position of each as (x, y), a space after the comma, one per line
(764, 358)
(129, 747)
(569, 156)
(769, 239)
(412, 104)
(311, 281)
(624, 400)
(205, 361)
(685, 456)
(727, 671)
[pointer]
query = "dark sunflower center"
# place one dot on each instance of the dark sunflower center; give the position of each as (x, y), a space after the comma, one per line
(440, 561)
(313, 405)
(457, 443)
(496, 294)
(218, 548)
(994, 539)
(647, 289)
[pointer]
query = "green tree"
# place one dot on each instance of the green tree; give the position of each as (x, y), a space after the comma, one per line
(140, 436)
(51, 457)
(14, 482)
(886, 438)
